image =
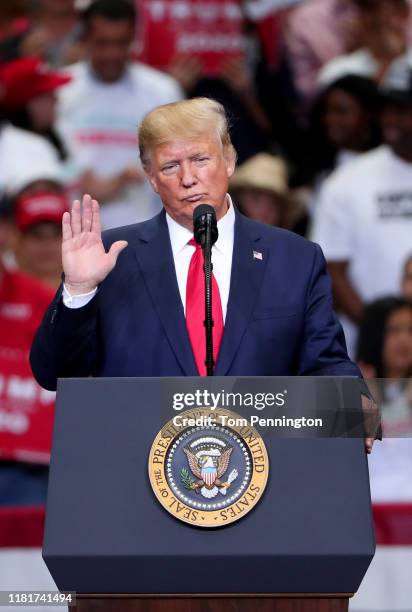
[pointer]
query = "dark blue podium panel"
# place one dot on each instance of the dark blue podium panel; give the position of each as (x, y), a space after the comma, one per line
(106, 532)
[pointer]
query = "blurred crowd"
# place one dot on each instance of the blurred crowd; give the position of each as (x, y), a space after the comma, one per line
(319, 95)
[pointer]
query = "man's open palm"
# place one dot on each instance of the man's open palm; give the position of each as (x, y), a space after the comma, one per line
(85, 261)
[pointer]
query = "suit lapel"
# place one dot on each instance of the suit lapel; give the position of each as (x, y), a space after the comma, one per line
(246, 278)
(155, 258)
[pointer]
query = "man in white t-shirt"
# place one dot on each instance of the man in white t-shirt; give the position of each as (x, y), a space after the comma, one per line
(364, 218)
(383, 26)
(100, 109)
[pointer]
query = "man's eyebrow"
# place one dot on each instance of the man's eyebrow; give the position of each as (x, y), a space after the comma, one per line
(169, 161)
(166, 162)
(199, 154)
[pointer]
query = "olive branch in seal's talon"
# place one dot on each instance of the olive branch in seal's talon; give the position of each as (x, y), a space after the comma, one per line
(187, 482)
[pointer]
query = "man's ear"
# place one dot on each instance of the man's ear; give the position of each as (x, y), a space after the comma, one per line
(230, 156)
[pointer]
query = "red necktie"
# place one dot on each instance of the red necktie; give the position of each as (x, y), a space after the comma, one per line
(195, 310)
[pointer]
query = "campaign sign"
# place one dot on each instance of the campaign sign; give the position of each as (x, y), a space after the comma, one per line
(208, 31)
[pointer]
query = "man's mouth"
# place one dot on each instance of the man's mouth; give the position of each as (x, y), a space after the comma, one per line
(194, 198)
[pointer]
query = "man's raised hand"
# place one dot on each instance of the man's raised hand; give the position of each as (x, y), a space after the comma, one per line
(85, 261)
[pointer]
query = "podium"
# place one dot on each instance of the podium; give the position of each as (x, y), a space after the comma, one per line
(304, 547)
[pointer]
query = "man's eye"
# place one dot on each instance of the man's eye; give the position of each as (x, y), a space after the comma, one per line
(169, 168)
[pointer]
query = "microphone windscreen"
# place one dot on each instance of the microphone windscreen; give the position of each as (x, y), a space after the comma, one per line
(203, 209)
(204, 216)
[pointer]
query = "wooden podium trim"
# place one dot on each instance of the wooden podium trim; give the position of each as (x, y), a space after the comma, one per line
(209, 602)
(213, 595)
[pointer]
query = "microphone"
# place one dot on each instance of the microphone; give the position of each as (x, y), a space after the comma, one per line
(204, 216)
(205, 233)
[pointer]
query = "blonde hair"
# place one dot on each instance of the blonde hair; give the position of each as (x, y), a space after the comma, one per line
(185, 120)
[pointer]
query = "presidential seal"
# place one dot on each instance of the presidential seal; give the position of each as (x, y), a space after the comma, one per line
(208, 467)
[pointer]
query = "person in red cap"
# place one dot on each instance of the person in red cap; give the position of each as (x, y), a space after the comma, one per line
(26, 412)
(37, 219)
(29, 100)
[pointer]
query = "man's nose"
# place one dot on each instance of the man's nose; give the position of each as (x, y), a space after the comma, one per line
(188, 177)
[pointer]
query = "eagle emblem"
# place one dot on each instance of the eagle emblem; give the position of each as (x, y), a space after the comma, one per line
(208, 459)
(203, 472)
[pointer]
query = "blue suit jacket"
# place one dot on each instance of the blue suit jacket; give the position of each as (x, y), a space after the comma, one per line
(279, 316)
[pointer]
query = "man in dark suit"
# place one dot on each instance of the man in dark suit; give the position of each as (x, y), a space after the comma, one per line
(125, 311)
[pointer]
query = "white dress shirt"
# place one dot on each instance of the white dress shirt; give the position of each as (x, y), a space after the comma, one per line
(222, 252)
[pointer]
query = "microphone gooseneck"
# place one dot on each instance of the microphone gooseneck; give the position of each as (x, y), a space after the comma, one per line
(205, 233)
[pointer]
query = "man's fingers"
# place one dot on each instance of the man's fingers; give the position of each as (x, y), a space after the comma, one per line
(75, 218)
(369, 445)
(116, 249)
(66, 227)
(96, 226)
(371, 417)
(87, 214)
(83, 218)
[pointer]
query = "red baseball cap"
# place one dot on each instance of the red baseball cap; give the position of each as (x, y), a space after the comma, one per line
(46, 206)
(26, 78)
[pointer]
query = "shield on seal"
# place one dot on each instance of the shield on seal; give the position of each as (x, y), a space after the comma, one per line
(209, 474)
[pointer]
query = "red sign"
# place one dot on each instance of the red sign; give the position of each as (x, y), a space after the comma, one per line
(26, 410)
(26, 415)
(210, 31)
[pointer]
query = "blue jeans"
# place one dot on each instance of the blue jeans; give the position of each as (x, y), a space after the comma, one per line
(23, 484)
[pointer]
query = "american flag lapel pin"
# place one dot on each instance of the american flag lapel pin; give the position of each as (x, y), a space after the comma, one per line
(257, 255)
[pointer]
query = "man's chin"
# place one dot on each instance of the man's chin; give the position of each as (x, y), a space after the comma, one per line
(111, 75)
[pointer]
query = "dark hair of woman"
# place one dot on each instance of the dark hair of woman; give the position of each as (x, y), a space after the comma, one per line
(21, 118)
(373, 329)
(345, 116)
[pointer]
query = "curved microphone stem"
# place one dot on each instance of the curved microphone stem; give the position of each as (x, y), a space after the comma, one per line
(208, 322)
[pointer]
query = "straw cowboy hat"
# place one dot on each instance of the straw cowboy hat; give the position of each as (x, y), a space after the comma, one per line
(270, 173)
(262, 171)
